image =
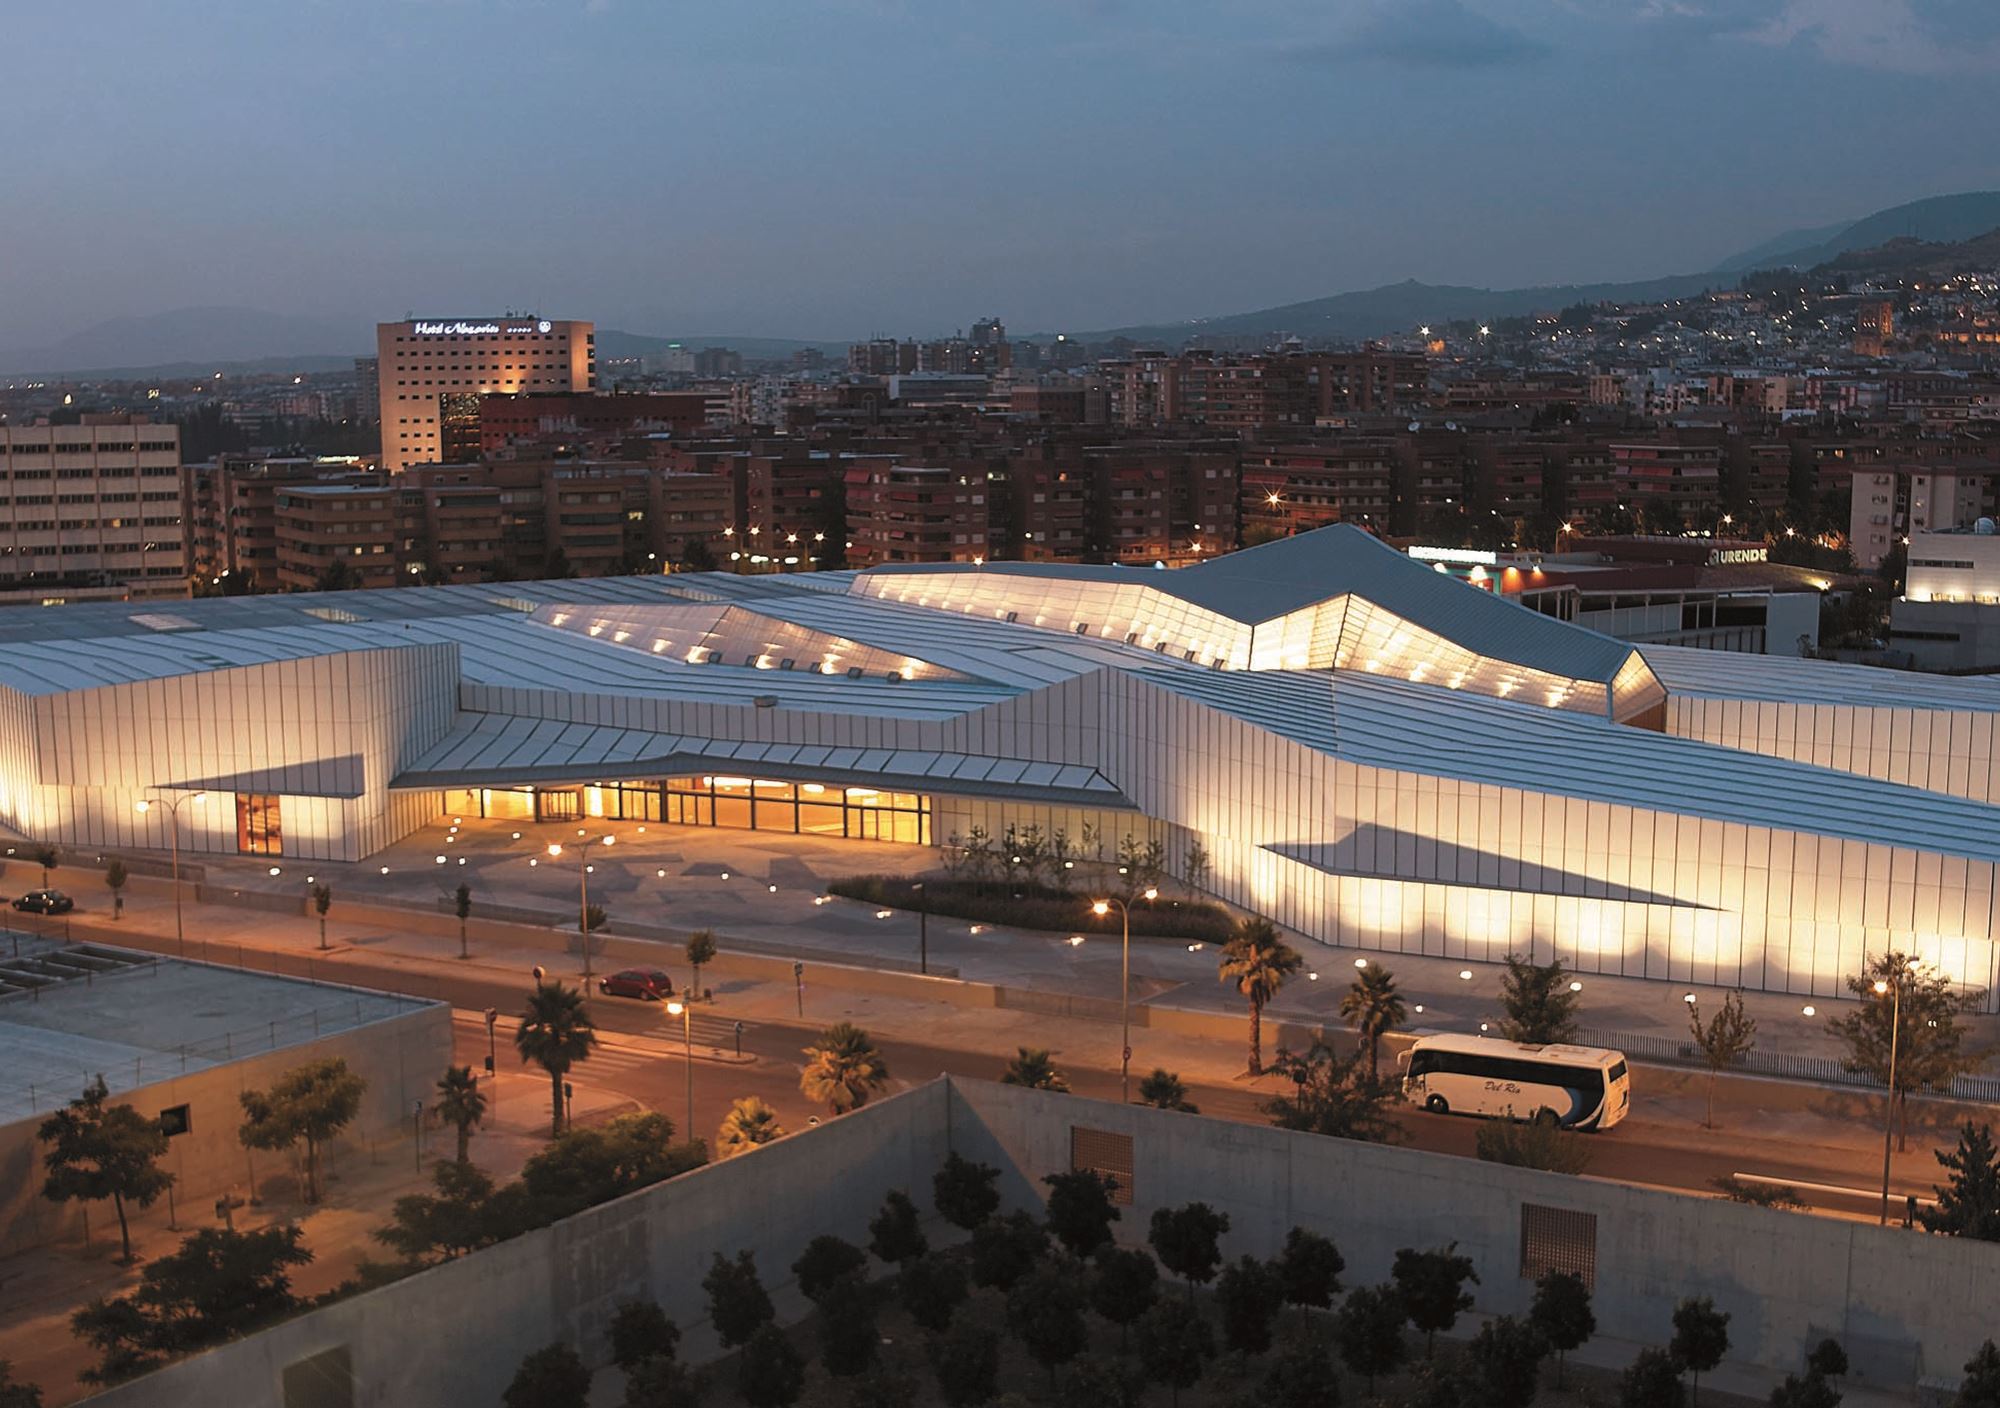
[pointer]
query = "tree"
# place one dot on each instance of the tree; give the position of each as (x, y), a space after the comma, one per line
(1034, 1068)
(700, 951)
(1981, 1386)
(932, 1288)
(1174, 1344)
(1006, 1248)
(115, 876)
(1701, 1338)
(1724, 1039)
(1124, 1283)
(1540, 1007)
(738, 1305)
(1258, 963)
(847, 1333)
(580, 1168)
(660, 1382)
(1301, 1375)
(1432, 1285)
(966, 1360)
(307, 1105)
(963, 1192)
(825, 1262)
(322, 898)
(1187, 1240)
(1080, 1211)
(769, 1372)
(1929, 1033)
(594, 917)
(1097, 1382)
(1045, 1313)
(1331, 1095)
(14, 1394)
(1368, 1329)
(461, 1216)
(1968, 1203)
(896, 1235)
(461, 1104)
(553, 1376)
(1562, 1315)
(1309, 1269)
(1249, 1294)
(1810, 1391)
(1195, 866)
(1163, 1091)
(1508, 1354)
(843, 1068)
(1653, 1381)
(1139, 866)
(749, 1123)
(1827, 1359)
(220, 1284)
(48, 858)
(336, 576)
(98, 1151)
(1537, 1143)
(1374, 1007)
(461, 905)
(555, 1033)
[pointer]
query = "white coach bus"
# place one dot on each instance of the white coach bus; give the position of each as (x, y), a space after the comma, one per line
(1580, 1087)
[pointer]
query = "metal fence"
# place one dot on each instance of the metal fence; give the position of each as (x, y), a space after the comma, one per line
(1780, 1065)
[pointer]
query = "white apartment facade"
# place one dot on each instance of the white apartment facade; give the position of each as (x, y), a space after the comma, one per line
(432, 372)
(92, 511)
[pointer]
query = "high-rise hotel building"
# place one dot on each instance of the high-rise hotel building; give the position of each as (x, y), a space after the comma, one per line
(432, 373)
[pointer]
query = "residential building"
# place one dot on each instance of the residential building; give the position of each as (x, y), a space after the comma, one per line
(94, 509)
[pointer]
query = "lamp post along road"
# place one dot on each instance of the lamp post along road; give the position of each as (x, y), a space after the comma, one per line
(685, 1011)
(1895, 993)
(582, 889)
(173, 805)
(1102, 908)
(923, 929)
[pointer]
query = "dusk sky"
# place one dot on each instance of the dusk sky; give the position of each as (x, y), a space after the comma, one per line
(833, 169)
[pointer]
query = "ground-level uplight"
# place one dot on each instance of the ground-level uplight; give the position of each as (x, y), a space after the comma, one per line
(1360, 963)
(884, 913)
(1465, 973)
(1076, 941)
(1688, 998)
(1575, 986)
(1809, 1010)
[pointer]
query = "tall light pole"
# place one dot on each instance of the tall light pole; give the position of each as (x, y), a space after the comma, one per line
(1894, 991)
(1101, 908)
(685, 1011)
(582, 888)
(923, 929)
(173, 804)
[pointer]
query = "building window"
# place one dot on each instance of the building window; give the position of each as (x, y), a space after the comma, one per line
(1106, 1154)
(259, 828)
(1558, 1239)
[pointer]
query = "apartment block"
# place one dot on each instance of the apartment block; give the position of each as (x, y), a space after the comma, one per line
(92, 510)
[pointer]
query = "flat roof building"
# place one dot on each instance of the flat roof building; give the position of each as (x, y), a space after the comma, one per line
(434, 374)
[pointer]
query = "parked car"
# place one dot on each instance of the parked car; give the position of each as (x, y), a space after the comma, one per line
(647, 984)
(45, 902)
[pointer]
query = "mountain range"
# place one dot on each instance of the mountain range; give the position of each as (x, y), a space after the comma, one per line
(199, 341)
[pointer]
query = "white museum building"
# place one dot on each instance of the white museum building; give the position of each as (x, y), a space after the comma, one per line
(1371, 753)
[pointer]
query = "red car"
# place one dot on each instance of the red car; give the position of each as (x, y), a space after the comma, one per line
(648, 984)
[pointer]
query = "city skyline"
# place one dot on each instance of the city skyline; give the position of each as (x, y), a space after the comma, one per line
(1063, 167)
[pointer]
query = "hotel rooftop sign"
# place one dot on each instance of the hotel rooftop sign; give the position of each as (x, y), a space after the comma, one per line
(477, 329)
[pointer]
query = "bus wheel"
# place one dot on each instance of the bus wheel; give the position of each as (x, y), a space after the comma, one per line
(1546, 1117)
(1437, 1106)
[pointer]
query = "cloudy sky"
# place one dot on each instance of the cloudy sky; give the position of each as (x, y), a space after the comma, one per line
(782, 168)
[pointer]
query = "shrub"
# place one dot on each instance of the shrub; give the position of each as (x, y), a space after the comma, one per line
(1031, 905)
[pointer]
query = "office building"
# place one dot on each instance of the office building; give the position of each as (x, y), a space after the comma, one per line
(436, 372)
(92, 510)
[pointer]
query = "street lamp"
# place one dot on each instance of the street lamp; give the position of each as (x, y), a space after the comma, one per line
(582, 889)
(1100, 909)
(685, 1012)
(1894, 992)
(144, 805)
(923, 928)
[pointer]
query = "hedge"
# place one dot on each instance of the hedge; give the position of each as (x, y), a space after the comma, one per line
(1037, 906)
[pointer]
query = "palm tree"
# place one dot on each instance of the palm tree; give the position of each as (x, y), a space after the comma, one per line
(555, 1033)
(1033, 1067)
(1258, 962)
(843, 1069)
(1373, 1007)
(461, 1104)
(1164, 1090)
(750, 1122)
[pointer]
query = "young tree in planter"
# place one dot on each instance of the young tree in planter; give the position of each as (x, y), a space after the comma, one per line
(461, 1104)
(1508, 1355)
(1309, 1270)
(1045, 1313)
(551, 1377)
(640, 1330)
(1968, 1203)
(825, 1263)
(1124, 1283)
(1174, 1344)
(1432, 1285)
(700, 951)
(1562, 1315)
(1163, 1090)
(1930, 1035)
(847, 1333)
(966, 1360)
(98, 1150)
(1187, 1240)
(963, 1192)
(1374, 1007)
(1368, 1329)
(1539, 1005)
(749, 1123)
(1724, 1039)
(932, 1288)
(1249, 1294)
(48, 858)
(1080, 1211)
(307, 1105)
(1259, 964)
(1195, 866)
(895, 1234)
(1006, 1248)
(738, 1305)
(769, 1372)
(843, 1068)
(1981, 1385)
(461, 905)
(555, 1033)
(1653, 1381)
(1034, 1068)
(115, 876)
(322, 898)
(1827, 1359)
(1701, 1338)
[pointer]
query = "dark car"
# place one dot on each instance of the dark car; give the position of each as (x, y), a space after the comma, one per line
(650, 984)
(45, 902)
